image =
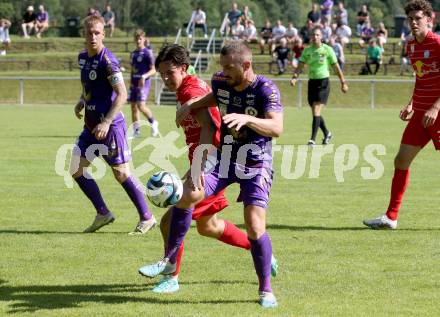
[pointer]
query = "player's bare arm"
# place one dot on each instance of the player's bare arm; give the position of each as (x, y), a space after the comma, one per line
(147, 75)
(101, 130)
(270, 126)
(79, 107)
(406, 112)
(194, 104)
(338, 71)
(431, 115)
(296, 73)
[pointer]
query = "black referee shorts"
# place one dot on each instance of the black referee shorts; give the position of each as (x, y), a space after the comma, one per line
(318, 91)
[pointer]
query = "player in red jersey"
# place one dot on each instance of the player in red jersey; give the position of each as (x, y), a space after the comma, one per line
(422, 110)
(172, 63)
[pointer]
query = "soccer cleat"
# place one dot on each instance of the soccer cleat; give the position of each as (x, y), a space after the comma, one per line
(268, 300)
(382, 222)
(166, 285)
(100, 221)
(162, 267)
(155, 128)
(311, 143)
(273, 267)
(327, 138)
(144, 226)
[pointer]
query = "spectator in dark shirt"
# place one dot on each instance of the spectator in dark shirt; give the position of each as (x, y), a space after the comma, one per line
(282, 54)
(233, 16)
(362, 17)
(341, 16)
(29, 18)
(266, 35)
(109, 19)
(314, 15)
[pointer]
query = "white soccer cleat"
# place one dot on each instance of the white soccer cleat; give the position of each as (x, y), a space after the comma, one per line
(100, 221)
(155, 128)
(382, 222)
(268, 300)
(144, 226)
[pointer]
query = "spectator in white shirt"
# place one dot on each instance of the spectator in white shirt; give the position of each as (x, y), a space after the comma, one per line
(250, 32)
(343, 33)
(278, 32)
(237, 30)
(291, 33)
(198, 20)
(4, 35)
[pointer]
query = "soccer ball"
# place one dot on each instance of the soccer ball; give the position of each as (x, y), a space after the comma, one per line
(164, 189)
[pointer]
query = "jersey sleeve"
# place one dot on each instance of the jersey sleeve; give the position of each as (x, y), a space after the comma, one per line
(271, 98)
(304, 56)
(331, 56)
(113, 70)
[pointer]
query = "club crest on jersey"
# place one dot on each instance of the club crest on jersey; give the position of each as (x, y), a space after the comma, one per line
(426, 54)
(139, 58)
(251, 111)
(223, 93)
(92, 75)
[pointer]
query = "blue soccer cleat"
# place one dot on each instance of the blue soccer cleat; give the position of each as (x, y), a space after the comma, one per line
(268, 300)
(273, 266)
(161, 267)
(166, 285)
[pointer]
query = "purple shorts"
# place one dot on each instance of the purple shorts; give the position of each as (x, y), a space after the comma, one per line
(115, 144)
(254, 190)
(137, 93)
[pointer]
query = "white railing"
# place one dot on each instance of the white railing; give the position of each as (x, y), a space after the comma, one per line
(178, 36)
(224, 25)
(211, 42)
(21, 81)
(198, 62)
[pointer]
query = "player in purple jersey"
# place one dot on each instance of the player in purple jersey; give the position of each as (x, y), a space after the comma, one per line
(102, 99)
(252, 115)
(142, 69)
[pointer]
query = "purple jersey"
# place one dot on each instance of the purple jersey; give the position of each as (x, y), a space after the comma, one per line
(257, 99)
(141, 62)
(42, 16)
(98, 94)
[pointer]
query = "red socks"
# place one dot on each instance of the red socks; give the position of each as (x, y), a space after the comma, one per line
(398, 187)
(234, 236)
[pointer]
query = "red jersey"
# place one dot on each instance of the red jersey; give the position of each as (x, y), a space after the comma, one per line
(425, 59)
(193, 87)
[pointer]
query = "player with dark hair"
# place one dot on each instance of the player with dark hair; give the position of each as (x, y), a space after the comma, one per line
(142, 69)
(102, 99)
(422, 110)
(251, 117)
(200, 127)
(319, 56)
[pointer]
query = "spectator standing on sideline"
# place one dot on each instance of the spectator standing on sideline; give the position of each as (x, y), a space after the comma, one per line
(29, 18)
(109, 18)
(4, 35)
(42, 21)
(326, 11)
(198, 20)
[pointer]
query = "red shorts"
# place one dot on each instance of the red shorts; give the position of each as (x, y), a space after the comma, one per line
(415, 134)
(210, 205)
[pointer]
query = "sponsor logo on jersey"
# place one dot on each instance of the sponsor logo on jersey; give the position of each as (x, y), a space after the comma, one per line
(251, 111)
(81, 61)
(91, 107)
(226, 101)
(250, 102)
(250, 96)
(223, 93)
(93, 75)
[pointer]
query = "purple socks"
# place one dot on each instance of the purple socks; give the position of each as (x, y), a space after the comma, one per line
(91, 190)
(180, 223)
(261, 250)
(137, 197)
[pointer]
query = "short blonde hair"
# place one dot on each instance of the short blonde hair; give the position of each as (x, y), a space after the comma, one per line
(93, 20)
(138, 33)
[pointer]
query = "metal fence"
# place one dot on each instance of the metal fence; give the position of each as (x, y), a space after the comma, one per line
(363, 93)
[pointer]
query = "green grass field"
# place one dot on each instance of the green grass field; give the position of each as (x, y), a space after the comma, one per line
(330, 265)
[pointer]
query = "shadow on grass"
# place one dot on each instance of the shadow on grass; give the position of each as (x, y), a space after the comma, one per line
(38, 297)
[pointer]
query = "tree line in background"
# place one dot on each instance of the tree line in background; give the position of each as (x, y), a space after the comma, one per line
(165, 17)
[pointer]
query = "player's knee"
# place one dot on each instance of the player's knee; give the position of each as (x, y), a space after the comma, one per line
(121, 175)
(401, 162)
(165, 221)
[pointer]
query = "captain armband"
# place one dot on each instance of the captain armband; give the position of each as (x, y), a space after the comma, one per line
(116, 78)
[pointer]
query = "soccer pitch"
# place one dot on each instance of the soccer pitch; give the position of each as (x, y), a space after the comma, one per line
(330, 264)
